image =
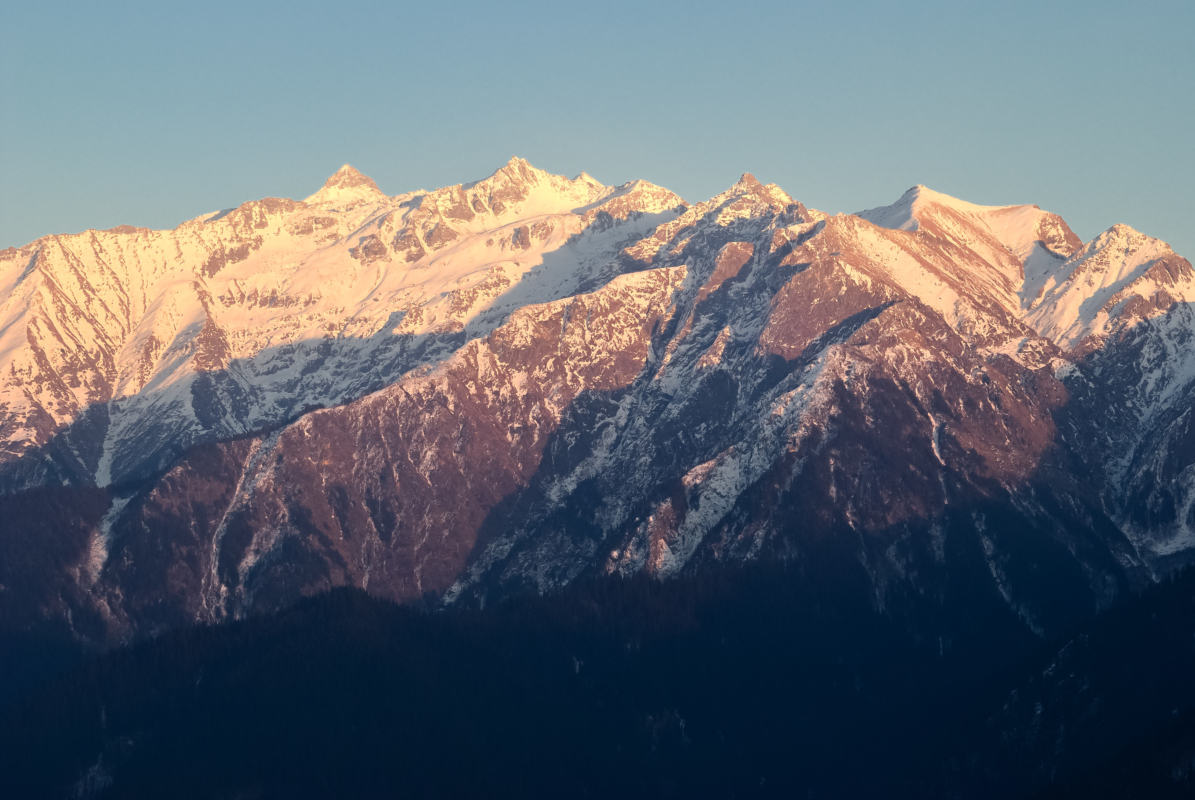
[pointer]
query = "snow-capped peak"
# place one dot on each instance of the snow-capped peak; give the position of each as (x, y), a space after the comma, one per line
(748, 196)
(898, 216)
(348, 177)
(532, 191)
(346, 187)
(1017, 227)
(516, 170)
(1091, 292)
(1023, 243)
(747, 180)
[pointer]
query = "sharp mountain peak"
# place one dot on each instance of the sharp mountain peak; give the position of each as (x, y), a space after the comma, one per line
(349, 177)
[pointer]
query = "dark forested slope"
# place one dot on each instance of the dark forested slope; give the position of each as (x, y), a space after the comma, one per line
(738, 683)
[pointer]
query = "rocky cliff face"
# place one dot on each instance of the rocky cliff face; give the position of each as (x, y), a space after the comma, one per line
(531, 379)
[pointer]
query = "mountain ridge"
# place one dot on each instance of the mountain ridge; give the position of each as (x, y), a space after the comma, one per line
(190, 315)
(529, 379)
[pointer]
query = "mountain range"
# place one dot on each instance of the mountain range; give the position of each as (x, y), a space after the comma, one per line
(506, 386)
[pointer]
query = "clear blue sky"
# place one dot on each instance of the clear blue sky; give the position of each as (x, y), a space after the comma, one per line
(153, 113)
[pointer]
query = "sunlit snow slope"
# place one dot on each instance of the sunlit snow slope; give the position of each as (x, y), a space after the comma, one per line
(1119, 310)
(120, 348)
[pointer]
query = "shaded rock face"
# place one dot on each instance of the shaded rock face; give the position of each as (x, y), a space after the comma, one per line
(406, 476)
(618, 383)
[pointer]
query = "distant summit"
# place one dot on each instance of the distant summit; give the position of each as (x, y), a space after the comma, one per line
(347, 186)
(347, 177)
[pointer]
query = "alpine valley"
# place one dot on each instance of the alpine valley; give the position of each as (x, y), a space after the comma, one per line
(957, 423)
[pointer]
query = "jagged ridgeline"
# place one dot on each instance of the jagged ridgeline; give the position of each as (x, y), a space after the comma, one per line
(506, 386)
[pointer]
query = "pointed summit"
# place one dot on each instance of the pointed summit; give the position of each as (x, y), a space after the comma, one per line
(346, 187)
(516, 171)
(518, 183)
(347, 177)
(747, 194)
(520, 169)
(904, 213)
(586, 178)
(1116, 279)
(1121, 232)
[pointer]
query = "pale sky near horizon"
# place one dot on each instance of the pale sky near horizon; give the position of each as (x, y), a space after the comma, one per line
(150, 114)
